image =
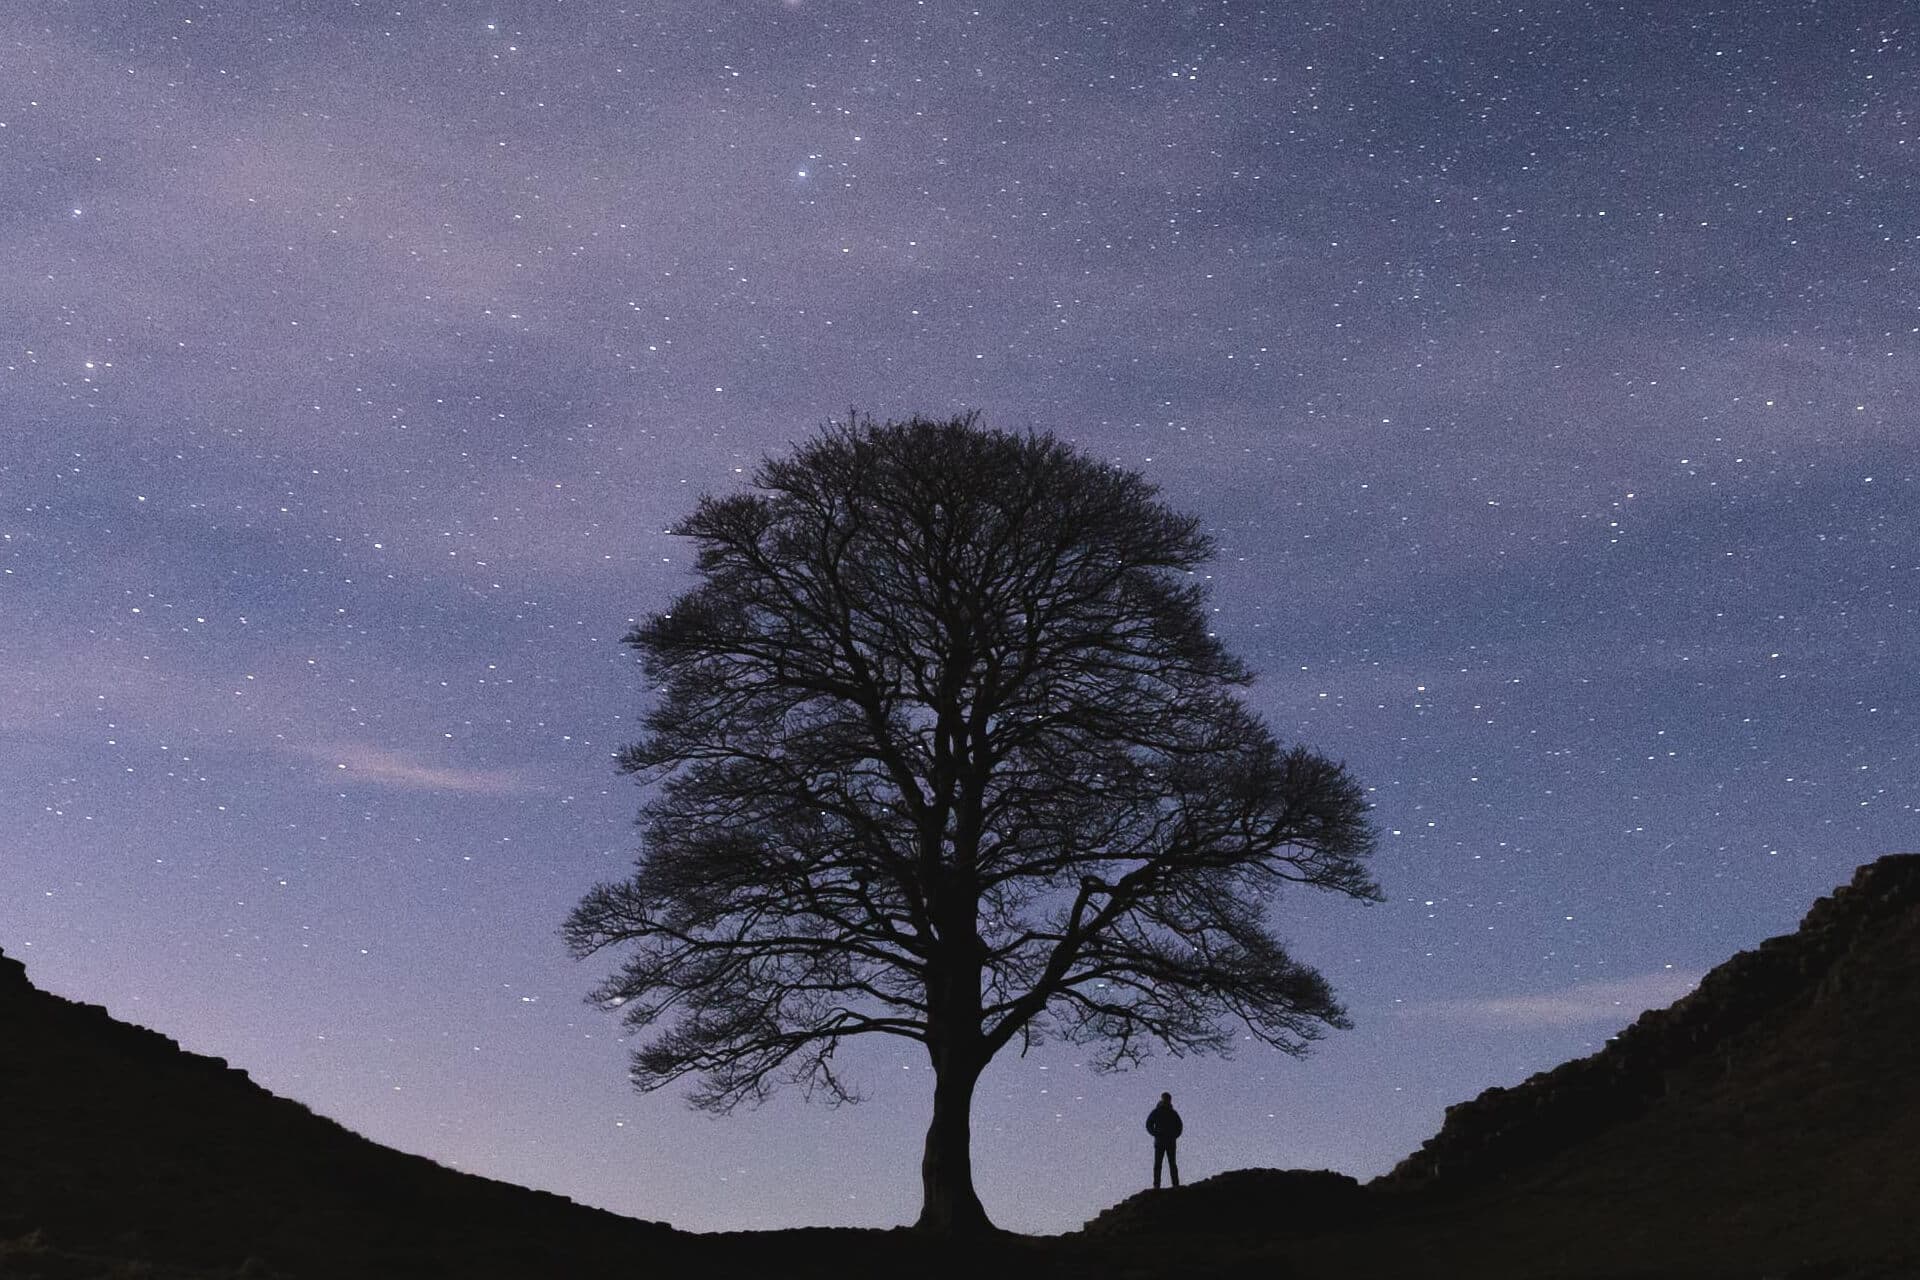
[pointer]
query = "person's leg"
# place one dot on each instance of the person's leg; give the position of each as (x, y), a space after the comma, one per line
(1159, 1154)
(1173, 1162)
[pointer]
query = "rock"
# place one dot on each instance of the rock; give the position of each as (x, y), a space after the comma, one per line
(1764, 1125)
(1836, 964)
(1259, 1201)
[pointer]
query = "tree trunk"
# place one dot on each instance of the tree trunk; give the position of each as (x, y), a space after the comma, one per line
(949, 1205)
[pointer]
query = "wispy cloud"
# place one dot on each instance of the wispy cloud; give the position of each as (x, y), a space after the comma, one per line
(1617, 1001)
(378, 766)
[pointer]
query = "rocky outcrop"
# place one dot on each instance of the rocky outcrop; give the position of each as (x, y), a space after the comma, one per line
(1840, 962)
(1263, 1201)
(1764, 1126)
(13, 977)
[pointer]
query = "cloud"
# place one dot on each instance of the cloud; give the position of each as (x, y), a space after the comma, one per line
(378, 766)
(1617, 1001)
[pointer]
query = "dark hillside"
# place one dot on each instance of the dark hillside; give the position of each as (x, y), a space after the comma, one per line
(121, 1155)
(1271, 1202)
(116, 1144)
(1769, 1119)
(1820, 1022)
(1767, 1124)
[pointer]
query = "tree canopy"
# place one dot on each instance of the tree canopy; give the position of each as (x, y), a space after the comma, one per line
(944, 749)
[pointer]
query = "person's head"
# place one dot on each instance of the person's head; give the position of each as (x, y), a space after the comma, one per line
(1167, 1098)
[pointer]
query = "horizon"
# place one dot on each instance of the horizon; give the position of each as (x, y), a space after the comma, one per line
(1541, 372)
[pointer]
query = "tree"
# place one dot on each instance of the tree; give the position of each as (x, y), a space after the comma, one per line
(944, 750)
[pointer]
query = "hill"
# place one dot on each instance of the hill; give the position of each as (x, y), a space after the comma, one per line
(123, 1155)
(119, 1145)
(1766, 1124)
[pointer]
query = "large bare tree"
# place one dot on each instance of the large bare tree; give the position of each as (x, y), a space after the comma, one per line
(943, 749)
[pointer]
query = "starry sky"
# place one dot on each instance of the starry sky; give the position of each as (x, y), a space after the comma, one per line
(1544, 370)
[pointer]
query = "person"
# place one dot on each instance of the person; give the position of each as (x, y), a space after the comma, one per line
(1163, 1122)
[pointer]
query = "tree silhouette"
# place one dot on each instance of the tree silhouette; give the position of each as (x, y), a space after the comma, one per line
(944, 750)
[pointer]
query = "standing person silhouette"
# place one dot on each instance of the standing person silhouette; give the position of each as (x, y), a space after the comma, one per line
(1163, 1122)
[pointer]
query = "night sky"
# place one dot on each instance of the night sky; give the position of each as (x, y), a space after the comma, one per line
(1545, 372)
